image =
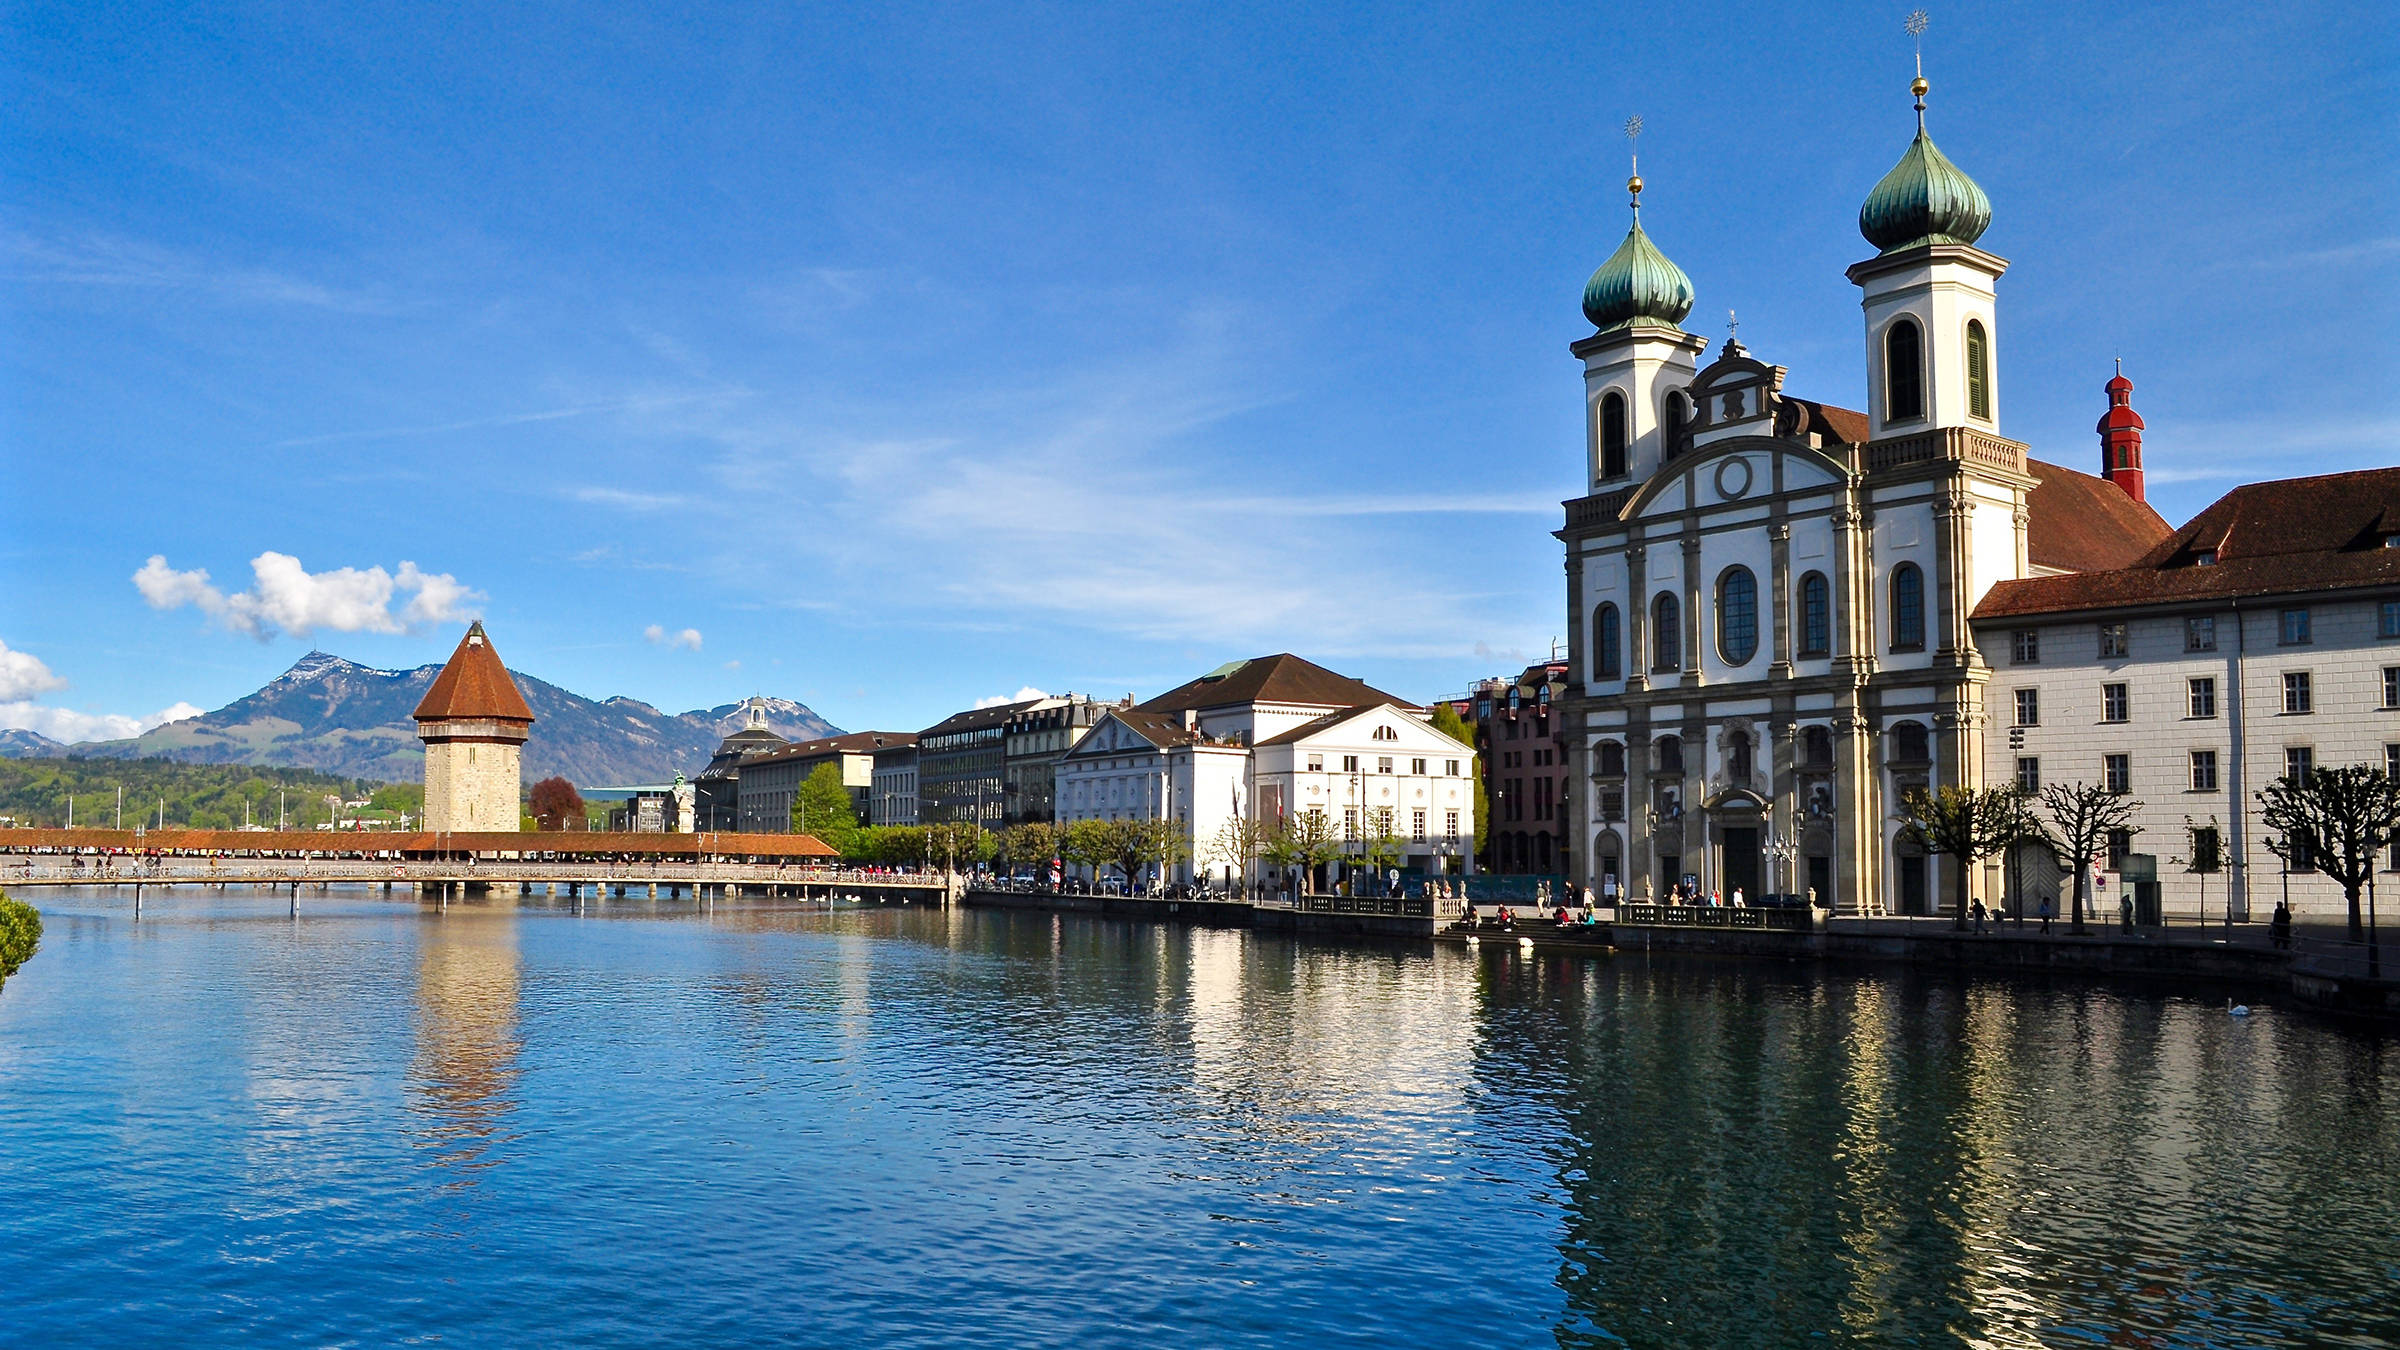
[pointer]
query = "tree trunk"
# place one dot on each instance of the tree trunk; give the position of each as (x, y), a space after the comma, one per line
(2083, 878)
(1959, 920)
(2358, 927)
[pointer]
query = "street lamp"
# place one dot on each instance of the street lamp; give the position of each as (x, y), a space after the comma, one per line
(1782, 848)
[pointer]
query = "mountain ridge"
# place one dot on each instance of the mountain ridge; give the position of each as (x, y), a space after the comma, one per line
(337, 716)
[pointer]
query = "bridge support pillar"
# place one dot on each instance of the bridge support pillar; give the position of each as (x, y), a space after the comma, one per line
(295, 899)
(137, 902)
(654, 890)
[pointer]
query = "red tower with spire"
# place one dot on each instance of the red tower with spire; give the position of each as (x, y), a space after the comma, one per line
(2121, 437)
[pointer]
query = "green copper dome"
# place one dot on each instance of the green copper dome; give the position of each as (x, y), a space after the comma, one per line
(1925, 199)
(1637, 285)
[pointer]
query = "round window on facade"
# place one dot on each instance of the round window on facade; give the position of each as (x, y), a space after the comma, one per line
(1737, 615)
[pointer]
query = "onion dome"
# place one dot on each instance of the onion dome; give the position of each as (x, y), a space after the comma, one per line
(1925, 199)
(1637, 285)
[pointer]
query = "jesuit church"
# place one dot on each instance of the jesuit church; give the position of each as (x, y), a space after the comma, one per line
(1769, 597)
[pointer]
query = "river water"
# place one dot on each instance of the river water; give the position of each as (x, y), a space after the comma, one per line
(504, 1125)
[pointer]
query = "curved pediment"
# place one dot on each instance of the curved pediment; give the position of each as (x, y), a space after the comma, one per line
(1733, 471)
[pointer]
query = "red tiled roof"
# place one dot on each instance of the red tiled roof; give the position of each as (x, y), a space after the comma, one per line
(1281, 678)
(2281, 538)
(474, 685)
(2077, 522)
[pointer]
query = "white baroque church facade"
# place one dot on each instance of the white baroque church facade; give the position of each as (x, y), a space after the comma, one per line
(1769, 597)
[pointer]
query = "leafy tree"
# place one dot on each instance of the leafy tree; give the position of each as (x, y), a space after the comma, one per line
(823, 808)
(1446, 720)
(1965, 824)
(1135, 844)
(1032, 844)
(1087, 843)
(1383, 848)
(2335, 821)
(958, 843)
(2081, 817)
(20, 933)
(1304, 840)
(557, 805)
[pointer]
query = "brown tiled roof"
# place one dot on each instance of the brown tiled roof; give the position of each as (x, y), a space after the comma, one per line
(1835, 424)
(474, 684)
(1160, 729)
(2281, 538)
(848, 743)
(1325, 723)
(1281, 678)
(976, 718)
(2077, 522)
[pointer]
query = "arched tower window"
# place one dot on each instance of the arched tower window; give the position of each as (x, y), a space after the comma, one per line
(1979, 372)
(1737, 615)
(1666, 633)
(1612, 759)
(1737, 756)
(1678, 412)
(1816, 748)
(1608, 654)
(1908, 607)
(1669, 754)
(1909, 745)
(1903, 372)
(1612, 435)
(1816, 615)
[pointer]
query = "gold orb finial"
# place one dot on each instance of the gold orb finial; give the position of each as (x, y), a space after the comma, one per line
(1918, 86)
(1634, 186)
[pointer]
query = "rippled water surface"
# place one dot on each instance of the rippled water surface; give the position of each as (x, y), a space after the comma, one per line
(503, 1126)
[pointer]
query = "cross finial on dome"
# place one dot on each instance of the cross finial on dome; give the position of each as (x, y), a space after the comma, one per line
(1918, 22)
(1633, 150)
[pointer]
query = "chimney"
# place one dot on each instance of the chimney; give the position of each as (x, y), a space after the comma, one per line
(2121, 437)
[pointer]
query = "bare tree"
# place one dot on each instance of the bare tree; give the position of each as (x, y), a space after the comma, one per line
(1236, 842)
(2335, 821)
(1966, 824)
(2081, 819)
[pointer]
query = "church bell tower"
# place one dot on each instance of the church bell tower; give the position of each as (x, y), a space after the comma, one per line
(1639, 362)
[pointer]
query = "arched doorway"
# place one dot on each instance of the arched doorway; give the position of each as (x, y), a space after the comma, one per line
(1911, 879)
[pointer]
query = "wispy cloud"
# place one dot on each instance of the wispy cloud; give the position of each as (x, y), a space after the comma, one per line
(94, 259)
(2247, 450)
(496, 420)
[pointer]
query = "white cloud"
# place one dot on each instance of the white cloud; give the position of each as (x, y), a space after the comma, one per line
(1022, 695)
(22, 675)
(658, 636)
(287, 598)
(70, 726)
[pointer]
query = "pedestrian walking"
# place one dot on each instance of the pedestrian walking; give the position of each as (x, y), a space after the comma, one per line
(2280, 927)
(1979, 913)
(2049, 907)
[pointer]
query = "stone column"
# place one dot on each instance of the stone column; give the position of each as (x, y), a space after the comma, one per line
(1637, 619)
(1779, 590)
(1858, 821)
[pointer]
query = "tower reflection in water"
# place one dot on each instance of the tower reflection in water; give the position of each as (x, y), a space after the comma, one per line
(461, 1084)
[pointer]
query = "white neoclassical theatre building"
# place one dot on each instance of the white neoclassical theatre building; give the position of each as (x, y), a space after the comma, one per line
(1769, 598)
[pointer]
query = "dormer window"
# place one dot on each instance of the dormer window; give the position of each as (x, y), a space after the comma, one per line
(2391, 541)
(2206, 557)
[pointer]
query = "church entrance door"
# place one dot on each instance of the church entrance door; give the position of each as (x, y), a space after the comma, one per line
(1912, 884)
(1739, 867)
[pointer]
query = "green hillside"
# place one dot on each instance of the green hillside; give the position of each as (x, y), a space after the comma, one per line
(199, 796)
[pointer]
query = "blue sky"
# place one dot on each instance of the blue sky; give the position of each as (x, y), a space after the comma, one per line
(893, 358)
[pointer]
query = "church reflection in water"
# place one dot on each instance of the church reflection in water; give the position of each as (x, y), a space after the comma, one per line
(461, 1084)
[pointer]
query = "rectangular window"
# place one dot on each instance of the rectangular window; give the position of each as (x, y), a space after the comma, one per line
(1349, 764)
(1349, 822)
(2116, 773)
(2391, 686)
(2297, 697)
(1383, 764)
(1417, 767)
(1451, 768)
(1416, 825)
(2029, 707)
(2391, 761)
(2387, 619)
(2204, 771)
(2120, 843)
(2113, 641)
(2298, 760)
(2029, 774)
(2026, 646)
(2294, 630)
(1316, 764)
(2202, 697)
(2114, 706)
(1450, 824)
(2200, 635)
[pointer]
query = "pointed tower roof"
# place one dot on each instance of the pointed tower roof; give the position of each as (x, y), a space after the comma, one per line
(474, 685)
(1925, 199)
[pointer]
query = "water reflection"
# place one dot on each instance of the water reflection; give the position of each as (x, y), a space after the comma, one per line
(1896, 1160)
(462, 1079)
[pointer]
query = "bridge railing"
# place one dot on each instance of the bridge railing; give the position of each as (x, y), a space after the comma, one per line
(1713, 916)
(102, 871)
